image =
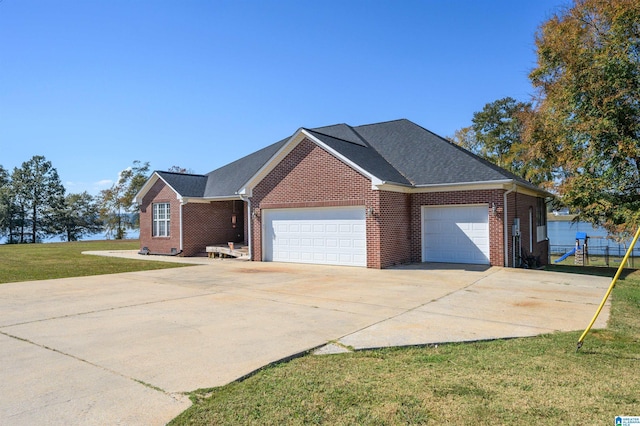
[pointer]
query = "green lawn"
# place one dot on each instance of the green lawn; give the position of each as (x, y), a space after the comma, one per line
(26, 262)
(540, 380)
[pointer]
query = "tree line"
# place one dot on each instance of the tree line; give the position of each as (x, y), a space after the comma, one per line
(34, 204)
(579, 133)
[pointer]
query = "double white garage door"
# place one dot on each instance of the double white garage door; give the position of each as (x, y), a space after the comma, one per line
(329, 236)
(337, 235)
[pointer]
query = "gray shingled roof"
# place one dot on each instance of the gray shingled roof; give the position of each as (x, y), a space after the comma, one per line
(397, 151)
(425, 158)
(227, 180)
(187, 185)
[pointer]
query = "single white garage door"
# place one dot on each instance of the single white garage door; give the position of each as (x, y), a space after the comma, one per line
(457, 234)
(329, 236)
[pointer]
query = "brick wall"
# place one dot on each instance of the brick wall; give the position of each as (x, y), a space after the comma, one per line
(210, 224)
(311, 177)
(520, 206)
(160, 193)
(488, 197)
(203, 223)
(394, 215)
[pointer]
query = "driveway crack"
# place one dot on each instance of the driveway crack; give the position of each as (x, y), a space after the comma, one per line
(112, 308)
(108, 370)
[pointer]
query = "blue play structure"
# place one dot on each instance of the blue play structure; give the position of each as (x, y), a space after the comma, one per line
(579, 236)
(567, 254)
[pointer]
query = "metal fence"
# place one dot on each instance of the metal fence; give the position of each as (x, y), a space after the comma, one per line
(609, 254)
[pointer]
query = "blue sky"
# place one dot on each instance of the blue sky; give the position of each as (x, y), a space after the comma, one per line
(93, 85)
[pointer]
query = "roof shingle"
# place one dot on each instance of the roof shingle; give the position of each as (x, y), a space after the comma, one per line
(396, 151)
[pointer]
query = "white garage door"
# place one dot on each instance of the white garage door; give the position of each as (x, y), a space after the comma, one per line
(455, 234)
(330, 236)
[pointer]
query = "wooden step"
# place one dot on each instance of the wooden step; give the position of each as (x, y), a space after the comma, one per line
(222, 250)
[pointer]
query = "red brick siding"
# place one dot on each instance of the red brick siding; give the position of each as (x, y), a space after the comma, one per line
(488, 197)
(159, 193)
(203, 223)
(394, 215)
(210, 224)
(518, 206)
(311, 177)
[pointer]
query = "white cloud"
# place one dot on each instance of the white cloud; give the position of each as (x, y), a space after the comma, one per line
(92, 188)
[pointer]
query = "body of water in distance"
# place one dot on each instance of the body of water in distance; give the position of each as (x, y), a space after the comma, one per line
(562, 237)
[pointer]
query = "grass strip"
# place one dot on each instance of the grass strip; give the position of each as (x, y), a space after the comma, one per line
(28, 262)
(540, 380)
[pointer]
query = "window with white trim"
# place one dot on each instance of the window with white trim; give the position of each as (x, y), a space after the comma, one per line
(161, 219)
(541, 220)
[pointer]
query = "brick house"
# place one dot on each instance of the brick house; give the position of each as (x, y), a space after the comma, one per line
(373, 195)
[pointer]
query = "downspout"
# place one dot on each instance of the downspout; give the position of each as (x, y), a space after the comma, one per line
(249, 220)
(506, 226)
(181, 231)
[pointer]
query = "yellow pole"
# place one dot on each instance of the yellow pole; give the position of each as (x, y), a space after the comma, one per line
(613, 283)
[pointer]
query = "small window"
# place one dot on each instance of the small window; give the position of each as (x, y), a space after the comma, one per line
(541, 212)
(161, 220)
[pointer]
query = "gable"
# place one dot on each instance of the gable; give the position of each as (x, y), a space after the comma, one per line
(289, 146)
(158, 190)
(155, 179)
(364, 156)
(309, 174)
(187, 185)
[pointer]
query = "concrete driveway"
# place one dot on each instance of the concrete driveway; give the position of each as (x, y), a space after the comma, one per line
(122, 349)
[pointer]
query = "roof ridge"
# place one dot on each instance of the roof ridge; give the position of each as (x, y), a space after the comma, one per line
(404, 175)
(383, 157)
(363, 140)
(383, 122)
(179, 173)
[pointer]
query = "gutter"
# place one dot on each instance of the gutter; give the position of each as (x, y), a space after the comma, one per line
(506, 226)
(484, 182)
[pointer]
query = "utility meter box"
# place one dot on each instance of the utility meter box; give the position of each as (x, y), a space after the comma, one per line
(515, 231)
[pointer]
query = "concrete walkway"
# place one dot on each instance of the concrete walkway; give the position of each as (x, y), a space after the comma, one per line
(123, 348)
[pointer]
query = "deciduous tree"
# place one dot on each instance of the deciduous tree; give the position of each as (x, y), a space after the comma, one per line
(178, 169)
(498, 129)
(466, 138)
(117, 204)
(586, 126)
